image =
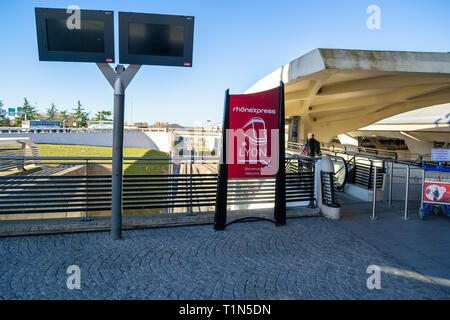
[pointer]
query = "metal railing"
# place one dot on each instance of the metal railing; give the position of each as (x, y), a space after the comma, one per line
(150, 185)
(16, 130)
(17, 151)
(362, 172)
(329, 190)
(358, 169)
(374, 153)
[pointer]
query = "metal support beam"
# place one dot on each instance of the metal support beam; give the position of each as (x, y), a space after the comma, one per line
(119, 79)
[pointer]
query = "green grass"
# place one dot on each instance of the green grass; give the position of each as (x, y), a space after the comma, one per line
(55, 150)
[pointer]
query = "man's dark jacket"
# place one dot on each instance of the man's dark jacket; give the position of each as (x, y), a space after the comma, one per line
(313, 147)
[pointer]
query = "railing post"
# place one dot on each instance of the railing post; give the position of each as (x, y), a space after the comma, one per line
(405, 217)
(391, 178)
(86, 198)
(86, 195)
(190, 209)
(311, 204)
(423, 188)
(23, 153)
(370, 175)
(374, 196)
(170, 181)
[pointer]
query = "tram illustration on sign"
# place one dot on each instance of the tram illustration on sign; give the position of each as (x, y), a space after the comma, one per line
(256, 133)
(252, 128)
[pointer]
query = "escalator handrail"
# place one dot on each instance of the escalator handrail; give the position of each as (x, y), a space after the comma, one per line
(342, 185)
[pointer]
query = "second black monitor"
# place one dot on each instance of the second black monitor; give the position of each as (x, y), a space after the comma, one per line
(156, 39)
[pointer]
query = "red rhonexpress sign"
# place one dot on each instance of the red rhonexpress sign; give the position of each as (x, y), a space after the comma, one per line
(436, 192)
(253, 134)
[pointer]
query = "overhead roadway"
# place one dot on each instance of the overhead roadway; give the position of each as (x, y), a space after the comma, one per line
(335, 91)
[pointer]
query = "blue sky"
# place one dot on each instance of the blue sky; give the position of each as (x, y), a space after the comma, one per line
(236, 43)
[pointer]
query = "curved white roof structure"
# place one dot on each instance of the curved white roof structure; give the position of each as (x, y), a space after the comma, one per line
(337, 90)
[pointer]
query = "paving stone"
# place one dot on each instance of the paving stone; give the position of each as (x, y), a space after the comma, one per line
(309, 258)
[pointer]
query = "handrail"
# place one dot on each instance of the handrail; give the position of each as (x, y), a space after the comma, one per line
(366, 151)
(345, 167)
(104, 158)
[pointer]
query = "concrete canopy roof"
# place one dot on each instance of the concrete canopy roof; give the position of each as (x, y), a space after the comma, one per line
(339, 90)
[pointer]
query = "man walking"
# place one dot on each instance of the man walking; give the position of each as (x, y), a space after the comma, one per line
(311, 147)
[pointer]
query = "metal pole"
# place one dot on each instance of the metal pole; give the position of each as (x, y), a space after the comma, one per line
(170, 209)
(220, 214)
(280, 182)
(22, 149)
(87, 186)
(405, 217)
(119, 80)
(370, 175)
(374, 197)
(423, 188)
(191, 209)
(117, 160)
(391, 176)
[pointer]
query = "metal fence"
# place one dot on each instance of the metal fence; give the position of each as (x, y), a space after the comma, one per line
(357, 169)
(361, 171)
(22, 149)
(329, 190)
(150, 185)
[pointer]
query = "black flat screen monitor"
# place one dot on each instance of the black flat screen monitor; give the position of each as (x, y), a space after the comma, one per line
(155, 39)
(92, 42)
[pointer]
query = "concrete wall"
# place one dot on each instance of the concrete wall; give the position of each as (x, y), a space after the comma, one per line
(100, 139)
(161, 139)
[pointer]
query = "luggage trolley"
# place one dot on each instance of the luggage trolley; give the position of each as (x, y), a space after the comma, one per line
(435, 190)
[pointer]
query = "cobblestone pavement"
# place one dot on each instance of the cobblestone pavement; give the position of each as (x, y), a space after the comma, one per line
(309, 258)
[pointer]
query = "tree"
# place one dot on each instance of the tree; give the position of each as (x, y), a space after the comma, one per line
(28, 113)
(5, 121)
(51, 112)
(81, 117)
(103, 116)
(2, 118)
(64, 116)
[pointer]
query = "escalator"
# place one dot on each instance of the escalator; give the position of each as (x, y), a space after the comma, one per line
(341, 172)
(342, 169)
